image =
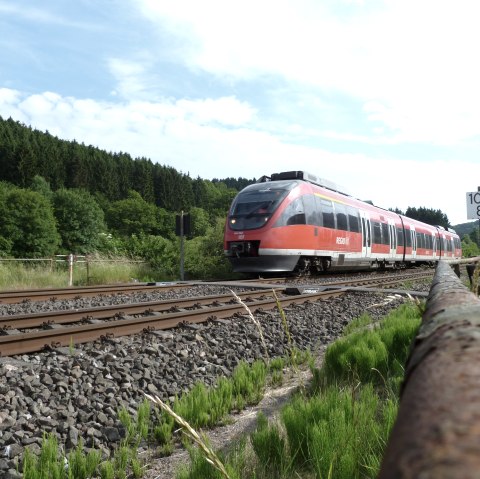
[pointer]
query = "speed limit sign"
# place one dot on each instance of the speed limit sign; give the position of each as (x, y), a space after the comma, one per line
(473, 205)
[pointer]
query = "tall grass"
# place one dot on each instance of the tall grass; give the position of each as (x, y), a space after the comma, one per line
(374, 355)
(339, 429)
(46, 274)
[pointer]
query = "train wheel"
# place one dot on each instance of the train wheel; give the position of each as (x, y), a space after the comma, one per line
(303, 267)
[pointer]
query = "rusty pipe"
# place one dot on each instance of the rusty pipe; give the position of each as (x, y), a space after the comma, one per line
(437, 432)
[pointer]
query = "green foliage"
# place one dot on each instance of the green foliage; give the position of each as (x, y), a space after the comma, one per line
(428, 215)
(137, 428)
(80, 220)
(27, 224)
(249, 382)
(339, 433)
(83, 465)
(371, 356)
(200, 221)
(200, 467)
(270, 448)
(52, 464)
(202, 407)
(470, 248)
(138, 198)
(26, 154)
(132, 216)
(42, 186)
(204, 256)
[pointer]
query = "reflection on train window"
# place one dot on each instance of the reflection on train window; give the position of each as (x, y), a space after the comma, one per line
(408, 238)
(400, 236)
(353, 221)
(385, 234)
(377, 232)
(253, 207)
(327, 213)
(294, 214)
(312, 211)
(341, 214)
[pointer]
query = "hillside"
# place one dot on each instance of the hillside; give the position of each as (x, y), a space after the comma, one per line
(466, 228)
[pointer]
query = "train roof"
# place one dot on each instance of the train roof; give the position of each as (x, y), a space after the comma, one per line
(305, 176)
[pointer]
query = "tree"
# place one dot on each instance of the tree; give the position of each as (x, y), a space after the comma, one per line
(429, 216)
(200, 221)
(469, 248)
(133, 216)
(80, 220)
(42, 186)
(27, 224)
(204, 256)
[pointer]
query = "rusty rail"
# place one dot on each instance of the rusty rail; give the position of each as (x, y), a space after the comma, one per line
(437, 432)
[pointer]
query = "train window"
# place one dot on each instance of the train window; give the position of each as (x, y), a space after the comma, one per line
(255, 205)
(377, 232)
(400, 236)
(341, 214)
(312, 212)
(327, 213)
(420, 240)
(294, 214)
(353, 220)
(408, 238)
(385, 234)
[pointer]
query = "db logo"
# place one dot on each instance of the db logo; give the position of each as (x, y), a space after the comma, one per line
(342, 240)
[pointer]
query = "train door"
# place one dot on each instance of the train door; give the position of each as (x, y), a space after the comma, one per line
(366, 235)
(393, 239)
(414, 242)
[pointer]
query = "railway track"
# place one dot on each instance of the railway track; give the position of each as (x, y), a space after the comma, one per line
(45, 294)
(76, 326)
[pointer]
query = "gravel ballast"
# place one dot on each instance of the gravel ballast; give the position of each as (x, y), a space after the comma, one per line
(76, 392)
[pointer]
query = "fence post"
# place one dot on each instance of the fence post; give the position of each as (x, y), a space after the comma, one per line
(87, 263)
(70, 269)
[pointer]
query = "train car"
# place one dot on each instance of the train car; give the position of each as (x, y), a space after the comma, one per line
(297, 222)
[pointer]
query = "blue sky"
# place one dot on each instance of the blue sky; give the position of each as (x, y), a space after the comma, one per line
(381, 97)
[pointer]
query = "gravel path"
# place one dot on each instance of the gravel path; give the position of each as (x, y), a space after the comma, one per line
(76, 392)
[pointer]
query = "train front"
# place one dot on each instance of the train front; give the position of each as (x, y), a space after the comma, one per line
(249, 241)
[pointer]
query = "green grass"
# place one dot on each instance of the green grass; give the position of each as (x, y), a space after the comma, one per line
(373, 355)
(51, 274)
(339, 429)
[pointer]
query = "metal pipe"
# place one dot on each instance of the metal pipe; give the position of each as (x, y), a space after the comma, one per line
(437, 432)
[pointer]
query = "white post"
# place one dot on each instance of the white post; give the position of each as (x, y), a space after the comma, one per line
(70, 269)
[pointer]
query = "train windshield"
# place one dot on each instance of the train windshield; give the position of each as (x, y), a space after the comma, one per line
(255, 205)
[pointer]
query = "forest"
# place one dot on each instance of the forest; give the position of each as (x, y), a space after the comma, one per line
(61, 197)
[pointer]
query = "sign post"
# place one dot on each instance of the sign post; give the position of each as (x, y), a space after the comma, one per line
(473, 208)
(182, 229)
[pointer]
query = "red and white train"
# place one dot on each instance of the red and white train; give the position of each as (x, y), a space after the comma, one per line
(297, 222)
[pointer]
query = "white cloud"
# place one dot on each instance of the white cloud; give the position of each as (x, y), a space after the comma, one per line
(200, 139)
(415, 60)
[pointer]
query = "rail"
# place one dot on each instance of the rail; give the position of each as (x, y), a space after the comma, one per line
(437, 432)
